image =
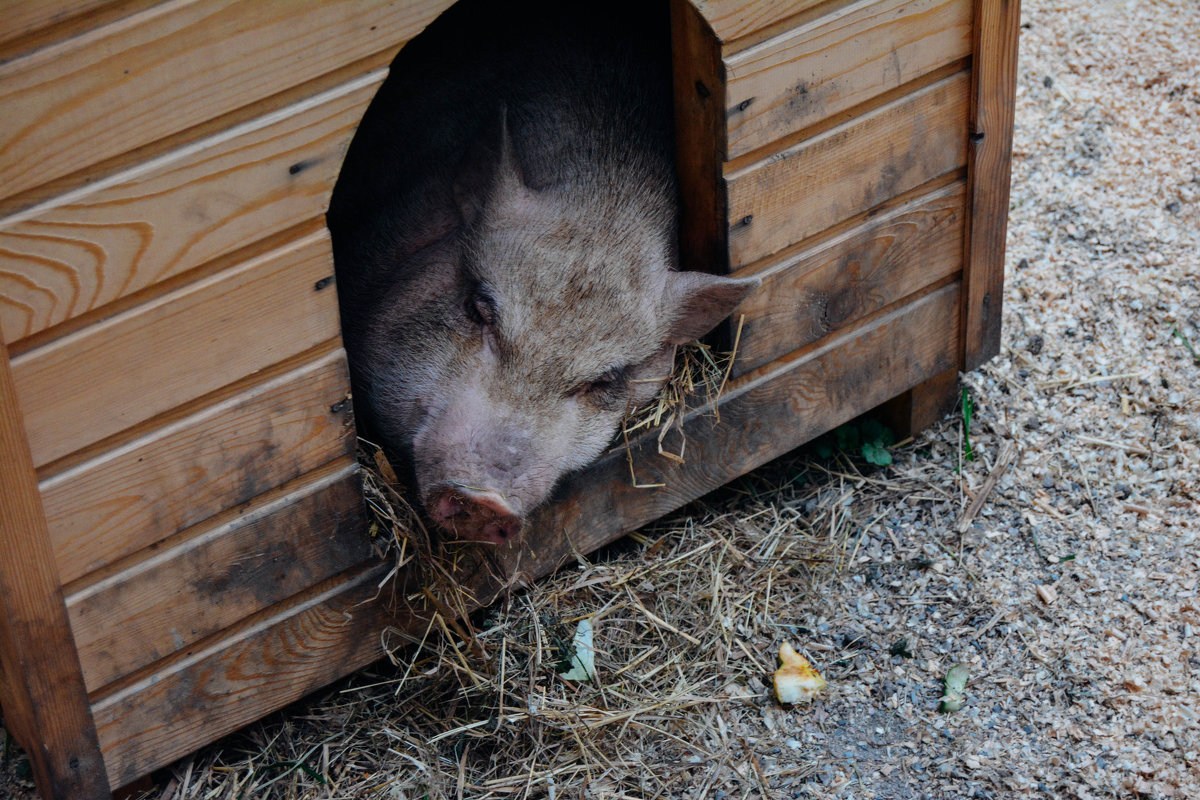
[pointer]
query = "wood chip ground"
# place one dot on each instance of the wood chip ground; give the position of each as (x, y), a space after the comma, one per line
(1070, 593)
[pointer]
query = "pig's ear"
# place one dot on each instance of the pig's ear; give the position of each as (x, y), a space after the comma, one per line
(489, 172)
(697, 301)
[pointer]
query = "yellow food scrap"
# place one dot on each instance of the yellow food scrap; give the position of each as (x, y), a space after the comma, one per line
(796, 680)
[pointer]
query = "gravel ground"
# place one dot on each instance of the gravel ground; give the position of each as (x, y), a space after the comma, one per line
(1071, 595)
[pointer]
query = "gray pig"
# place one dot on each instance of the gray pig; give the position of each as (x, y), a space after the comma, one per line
(504, 230)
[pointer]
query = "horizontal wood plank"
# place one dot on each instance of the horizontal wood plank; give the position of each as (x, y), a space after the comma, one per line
(105, 92)
(847, 170)
(21, 17)
(839, 280)
(734, 19)
(332, 631)
(164, 217)
(173, 598)
(179, 475)
(100, 380)
(838, 61)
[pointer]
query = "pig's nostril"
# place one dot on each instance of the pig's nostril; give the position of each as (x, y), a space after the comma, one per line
(474, 514)
(448, 506)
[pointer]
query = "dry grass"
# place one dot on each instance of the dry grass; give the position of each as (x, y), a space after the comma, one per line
(699, 376)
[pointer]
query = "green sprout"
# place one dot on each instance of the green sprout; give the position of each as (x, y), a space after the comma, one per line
(1187, 345)
(968, 410)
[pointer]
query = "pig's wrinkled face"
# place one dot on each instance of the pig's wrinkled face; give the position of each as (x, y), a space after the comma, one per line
(536, 330)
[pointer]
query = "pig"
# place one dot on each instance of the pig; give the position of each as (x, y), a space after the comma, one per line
(504, 232)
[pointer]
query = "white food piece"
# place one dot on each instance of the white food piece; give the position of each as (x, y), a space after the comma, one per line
(796, 680)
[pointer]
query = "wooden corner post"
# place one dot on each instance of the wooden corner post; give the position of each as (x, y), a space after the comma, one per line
(42, 691)
(989, 169)
(700, 132)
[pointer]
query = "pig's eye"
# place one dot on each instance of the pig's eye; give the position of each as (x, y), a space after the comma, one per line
(612, 382)
(480, 307)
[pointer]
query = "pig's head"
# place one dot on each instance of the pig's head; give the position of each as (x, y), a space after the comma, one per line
(537, 322)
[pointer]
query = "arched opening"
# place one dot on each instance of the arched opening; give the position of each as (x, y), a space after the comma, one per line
(506, 239)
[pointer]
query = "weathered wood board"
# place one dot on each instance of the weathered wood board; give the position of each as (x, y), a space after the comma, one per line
(837, 61)
(183, 473)
(45, 704)
(177, 212)
(847, 170)
(103, 379)
(199, 59)
(836, 281)
(169, 601)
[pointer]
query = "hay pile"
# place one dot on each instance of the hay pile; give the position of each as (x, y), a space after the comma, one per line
(686, 613)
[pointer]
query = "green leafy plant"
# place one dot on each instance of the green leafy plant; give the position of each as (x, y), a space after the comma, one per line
(867, 438)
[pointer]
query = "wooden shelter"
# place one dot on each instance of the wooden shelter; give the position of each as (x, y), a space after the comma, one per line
(183, 543)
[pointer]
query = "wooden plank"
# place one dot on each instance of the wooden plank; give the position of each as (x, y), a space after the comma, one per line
(337, 630)
(45, 704)
(166, 216)
(848, 169)
(699, 83)
(331, 631)
(839, 280)
(993, 98)
(154, 357)
(21, 17)
(174, 597)
(838, 61)
(179, 475)
(73, 104)
(734, 19)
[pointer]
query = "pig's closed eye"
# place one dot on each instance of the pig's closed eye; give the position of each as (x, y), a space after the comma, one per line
(479, 306)
(610, 383)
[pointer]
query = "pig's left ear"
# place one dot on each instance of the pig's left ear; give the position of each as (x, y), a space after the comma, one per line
(490, 173)
(697, 301)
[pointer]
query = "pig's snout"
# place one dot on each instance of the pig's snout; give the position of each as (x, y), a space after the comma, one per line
(477, 515)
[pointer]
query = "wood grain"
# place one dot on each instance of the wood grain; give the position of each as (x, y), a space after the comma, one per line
(166, 216)
(734, 19)
(45, 704)
(100, 380)
(331, 631)
(175, 597)
(21, 17)
(179, 475)
(989, 173)
(76, 103)
(838, 61)
(841, 279)
(848, 169)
